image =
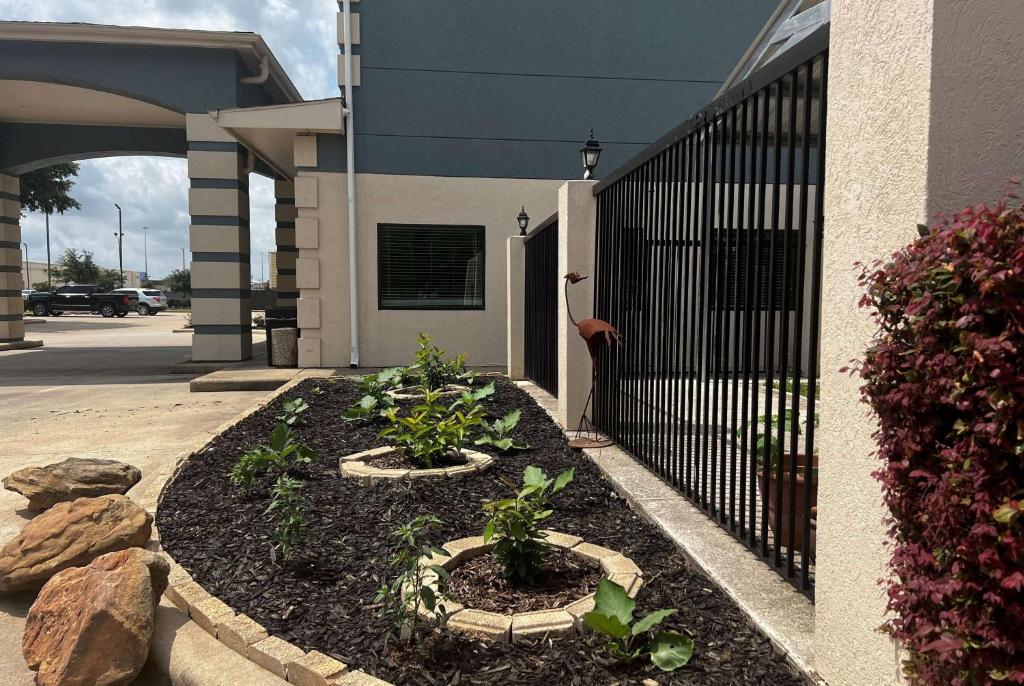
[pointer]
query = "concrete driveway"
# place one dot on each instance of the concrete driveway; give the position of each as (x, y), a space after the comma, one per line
(97, 388)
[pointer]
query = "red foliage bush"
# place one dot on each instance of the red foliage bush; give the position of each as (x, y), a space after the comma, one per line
(945, 377)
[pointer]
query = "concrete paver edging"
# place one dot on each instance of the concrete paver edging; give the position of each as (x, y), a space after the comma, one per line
(564, 620)
(354, 466)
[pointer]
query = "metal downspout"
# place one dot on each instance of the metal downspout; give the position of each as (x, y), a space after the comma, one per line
(350, 157)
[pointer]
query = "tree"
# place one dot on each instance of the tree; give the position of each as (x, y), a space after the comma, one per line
(109, 279)
(48, 190)
(76, 267)
(179, 281)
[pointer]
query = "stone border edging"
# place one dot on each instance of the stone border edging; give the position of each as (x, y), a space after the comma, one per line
(452, 389)
(234, 630)
(354, 466)
(564, 620)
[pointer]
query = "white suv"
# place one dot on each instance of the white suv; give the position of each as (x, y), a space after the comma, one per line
(150, 301)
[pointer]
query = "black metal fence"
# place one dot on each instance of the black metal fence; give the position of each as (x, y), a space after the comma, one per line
(709, 263)
(541, 306)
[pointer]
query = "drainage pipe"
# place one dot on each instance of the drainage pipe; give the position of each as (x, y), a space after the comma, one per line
(264, 74)
(350, 157)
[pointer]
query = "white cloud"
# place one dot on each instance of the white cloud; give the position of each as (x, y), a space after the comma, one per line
(153, 191)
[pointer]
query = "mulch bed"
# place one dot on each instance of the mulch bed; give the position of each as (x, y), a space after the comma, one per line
(320, 600)
(564, 578)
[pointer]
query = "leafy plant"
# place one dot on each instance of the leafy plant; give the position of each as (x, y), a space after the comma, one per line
(628, 639)
(293, 410)
(431, 430)
(288, 514)
(431, 370)
(401, 599)
(943, 377)
(259, 321)
(497, 433)
(281, 455)
(515, 524)
(768, 445)
(375, 393)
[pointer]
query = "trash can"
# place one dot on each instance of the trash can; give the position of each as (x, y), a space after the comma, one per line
(282, 318)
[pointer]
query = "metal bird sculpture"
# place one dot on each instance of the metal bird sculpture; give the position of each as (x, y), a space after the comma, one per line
(597, 334)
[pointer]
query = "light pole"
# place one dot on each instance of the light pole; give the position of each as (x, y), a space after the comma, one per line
(120, 252)
(145, 250)
(183, 259)
(28, 274)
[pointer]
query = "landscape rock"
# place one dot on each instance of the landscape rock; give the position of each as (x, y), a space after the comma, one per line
(94, 624)
(71, 479)
(71, 535)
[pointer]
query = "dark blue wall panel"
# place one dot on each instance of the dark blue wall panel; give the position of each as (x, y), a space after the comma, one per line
(510, 89)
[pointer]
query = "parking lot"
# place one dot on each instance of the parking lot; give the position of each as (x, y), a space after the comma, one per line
(97, 388)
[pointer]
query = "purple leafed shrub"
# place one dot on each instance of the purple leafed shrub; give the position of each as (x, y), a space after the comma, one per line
(945, 377)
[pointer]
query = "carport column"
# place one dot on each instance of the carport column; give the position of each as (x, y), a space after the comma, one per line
(12, 307)
(577, 221)
(218, 201)
(515, 271)
(285, 214)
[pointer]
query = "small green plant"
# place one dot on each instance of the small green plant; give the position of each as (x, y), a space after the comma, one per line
(628, 639)
(431, 430)
(515, 524)
(293, 410)
(259, 321)
(498, 432)
(408, 591)
(375, 394)
(766, 445)
(431, 370)
(281, 455)
(289, 515)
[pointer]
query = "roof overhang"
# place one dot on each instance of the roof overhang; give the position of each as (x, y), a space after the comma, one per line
(270, 131)
(250, 46)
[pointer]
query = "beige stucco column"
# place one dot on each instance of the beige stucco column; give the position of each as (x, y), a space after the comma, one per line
(12, 307)
(285, 214)
(515, 271)
(926, 113)
(218, 200)
(577, 218)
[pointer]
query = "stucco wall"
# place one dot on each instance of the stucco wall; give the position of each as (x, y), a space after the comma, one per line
(388, 337)
(925, 114)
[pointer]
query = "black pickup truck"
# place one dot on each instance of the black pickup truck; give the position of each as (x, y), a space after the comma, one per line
(78, 297)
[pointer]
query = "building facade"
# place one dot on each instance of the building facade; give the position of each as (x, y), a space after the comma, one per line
(35, 272)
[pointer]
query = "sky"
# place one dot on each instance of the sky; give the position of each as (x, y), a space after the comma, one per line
(153, 191)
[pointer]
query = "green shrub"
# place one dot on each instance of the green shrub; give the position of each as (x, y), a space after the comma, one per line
(431, 371)
(282, 454)
(401, 599)
(375, 393)
(613, 616)
(293, 410)
(431, 430)
(288, 513)
(497, 433)
(515, 524)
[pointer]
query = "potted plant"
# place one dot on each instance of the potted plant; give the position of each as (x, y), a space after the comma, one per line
(771, 449)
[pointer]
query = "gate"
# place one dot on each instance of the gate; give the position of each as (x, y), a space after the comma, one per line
(709, 263)
(541, 306)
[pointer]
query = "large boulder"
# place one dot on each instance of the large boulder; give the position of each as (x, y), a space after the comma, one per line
(73, 478)
(94, 625)
(71, 535)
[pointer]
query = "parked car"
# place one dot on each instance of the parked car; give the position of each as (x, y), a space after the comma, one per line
(25, 292)
(77, 297)
(150, 301)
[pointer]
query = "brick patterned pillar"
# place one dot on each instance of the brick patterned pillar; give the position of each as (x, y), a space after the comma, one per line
(12, 307)
(285, 214)
(218, 200)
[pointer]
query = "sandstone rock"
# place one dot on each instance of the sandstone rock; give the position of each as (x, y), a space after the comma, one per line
(73, 478)
(93, 625)
(71, 535)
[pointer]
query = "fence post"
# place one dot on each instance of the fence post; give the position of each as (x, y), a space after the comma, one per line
(577, 221)
(515, 270)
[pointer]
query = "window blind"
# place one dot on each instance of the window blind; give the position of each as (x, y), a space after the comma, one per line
(428, 267)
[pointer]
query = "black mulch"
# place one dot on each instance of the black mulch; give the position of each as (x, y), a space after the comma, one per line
(319, 601)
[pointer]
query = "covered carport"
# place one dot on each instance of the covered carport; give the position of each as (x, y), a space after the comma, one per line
(78, 91)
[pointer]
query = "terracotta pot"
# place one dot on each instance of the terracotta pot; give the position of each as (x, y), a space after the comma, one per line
(769, 488)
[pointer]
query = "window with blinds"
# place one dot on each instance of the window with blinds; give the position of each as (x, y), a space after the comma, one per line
(429, 267)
